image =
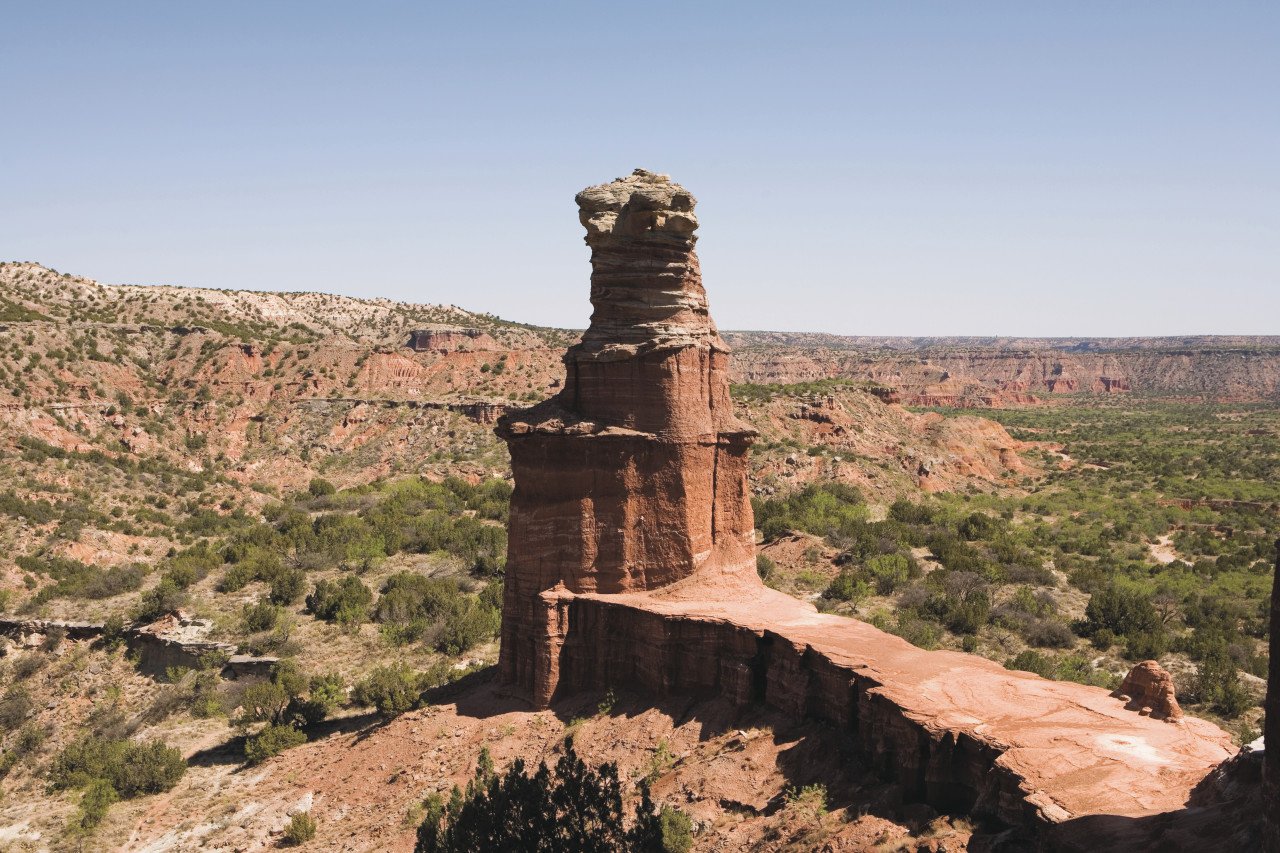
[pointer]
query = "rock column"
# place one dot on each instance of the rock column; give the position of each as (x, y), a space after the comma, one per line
(634, 476)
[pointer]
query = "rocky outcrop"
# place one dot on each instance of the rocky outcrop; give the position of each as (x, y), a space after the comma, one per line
(1148, 689)
(175, 641)
(1271, 732)
(631, 565)
(450, 339)
(958, 732)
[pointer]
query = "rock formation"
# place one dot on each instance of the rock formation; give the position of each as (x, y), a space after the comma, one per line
(634, 476)
(450, 339)
(1148, 689)
(631, 565)
(1271, 732)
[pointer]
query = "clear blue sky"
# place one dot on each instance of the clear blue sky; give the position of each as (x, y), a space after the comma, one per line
(1084, 168)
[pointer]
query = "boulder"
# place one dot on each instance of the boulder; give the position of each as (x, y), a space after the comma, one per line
(1148, 689)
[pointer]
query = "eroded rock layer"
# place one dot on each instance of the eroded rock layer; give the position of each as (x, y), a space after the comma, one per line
(631, 565)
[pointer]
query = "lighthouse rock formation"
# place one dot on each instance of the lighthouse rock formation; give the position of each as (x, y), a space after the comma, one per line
(631, 565)
(634, 476)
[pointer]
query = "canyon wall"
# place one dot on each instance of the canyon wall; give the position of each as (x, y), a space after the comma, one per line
(938, 372)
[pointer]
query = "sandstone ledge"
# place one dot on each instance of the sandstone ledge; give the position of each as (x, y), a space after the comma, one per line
(957, 731)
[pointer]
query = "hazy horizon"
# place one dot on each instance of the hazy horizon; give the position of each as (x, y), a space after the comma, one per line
(994, 170)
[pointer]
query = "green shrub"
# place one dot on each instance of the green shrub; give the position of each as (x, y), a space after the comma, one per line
(1146, 645)
(1121, 610)
(888, 572)
(409, 597)
(916, 631)
(1217, 684)
(978, 525)
(960, 601)
(345, 601)
(26, 742)
(131, 768)
(97, 798)
(391, 689)
(575, 808)
(287, 586)
(272, 740)
(261, 615)
(301, 829)
(15, 707)
(961, 557)
(236, 578)
(826, 509)
(847, 586)
(263, 701)
(165, 598)
(327, 692)
(75, 579)
(676, 829)
(290, 698)
(491, 595)
(148, 768)
(1031, 661)
(468, 627)
(319, 488)
(1066, 668)
(765, 566)
(906, 512)
(113, 635)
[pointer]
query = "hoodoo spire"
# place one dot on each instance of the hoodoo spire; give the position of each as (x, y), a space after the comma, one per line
(634, 476)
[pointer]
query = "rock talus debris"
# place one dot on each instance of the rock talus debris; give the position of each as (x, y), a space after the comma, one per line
(631, 564)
